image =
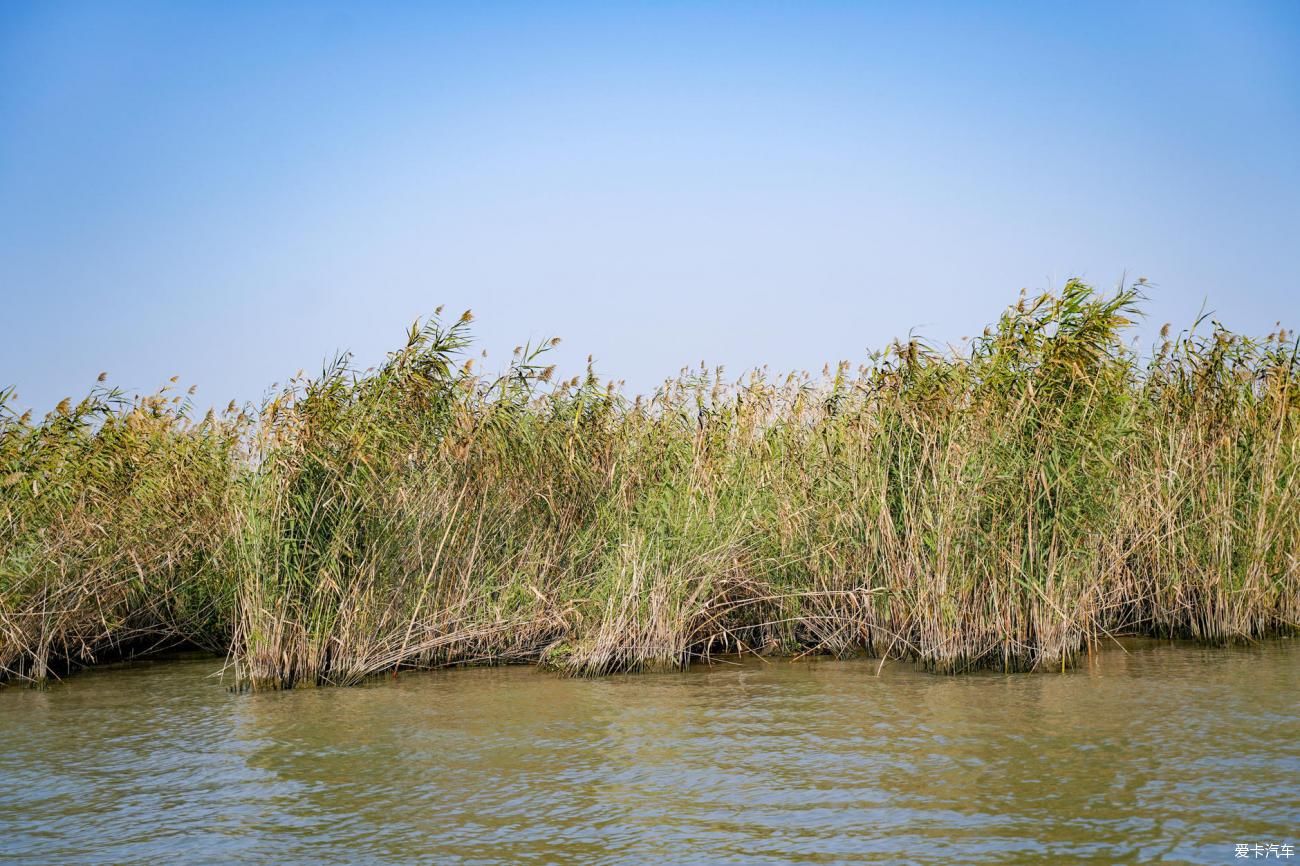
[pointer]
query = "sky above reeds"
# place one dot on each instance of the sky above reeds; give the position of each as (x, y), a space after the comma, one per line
(232, 191)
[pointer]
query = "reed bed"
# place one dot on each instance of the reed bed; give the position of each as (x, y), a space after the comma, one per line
(1010, 503)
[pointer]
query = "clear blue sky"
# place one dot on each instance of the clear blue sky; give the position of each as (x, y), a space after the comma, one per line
(230, 192)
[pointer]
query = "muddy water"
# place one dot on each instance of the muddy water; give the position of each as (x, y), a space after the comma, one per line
(1156, 753)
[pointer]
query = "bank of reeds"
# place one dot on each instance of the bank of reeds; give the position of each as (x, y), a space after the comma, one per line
(1007, 504)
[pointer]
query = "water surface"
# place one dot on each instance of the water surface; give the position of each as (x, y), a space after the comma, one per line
(1160, 752)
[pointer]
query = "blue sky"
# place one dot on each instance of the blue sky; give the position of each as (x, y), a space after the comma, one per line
(231, 192)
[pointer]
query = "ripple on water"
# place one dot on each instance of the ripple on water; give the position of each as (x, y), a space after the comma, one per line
(1158, 752)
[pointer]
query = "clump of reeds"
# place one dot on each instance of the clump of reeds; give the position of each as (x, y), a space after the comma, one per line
(1006, 505)
(112, 512)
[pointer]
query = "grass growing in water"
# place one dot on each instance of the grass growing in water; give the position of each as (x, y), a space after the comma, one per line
(1008, 505)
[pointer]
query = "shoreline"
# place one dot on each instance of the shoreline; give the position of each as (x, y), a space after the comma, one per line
(1125, 644)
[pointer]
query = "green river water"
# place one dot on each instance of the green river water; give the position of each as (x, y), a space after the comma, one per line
(1153, 753)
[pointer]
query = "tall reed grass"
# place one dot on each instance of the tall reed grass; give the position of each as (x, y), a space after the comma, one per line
(1008, 504)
